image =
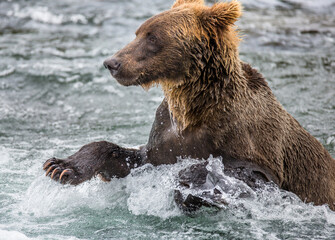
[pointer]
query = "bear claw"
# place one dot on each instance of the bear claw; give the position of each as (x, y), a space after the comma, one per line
(49, 170)
(56, 170)
(65, 172)
(48, 163)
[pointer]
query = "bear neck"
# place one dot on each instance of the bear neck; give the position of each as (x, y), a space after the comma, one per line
(209, 90)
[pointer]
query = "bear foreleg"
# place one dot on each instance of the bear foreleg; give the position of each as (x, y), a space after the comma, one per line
(98, 158)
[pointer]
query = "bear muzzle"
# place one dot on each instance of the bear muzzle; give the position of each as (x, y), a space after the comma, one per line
(113, 65)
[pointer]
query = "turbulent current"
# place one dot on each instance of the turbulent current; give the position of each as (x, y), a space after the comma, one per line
(55, 96)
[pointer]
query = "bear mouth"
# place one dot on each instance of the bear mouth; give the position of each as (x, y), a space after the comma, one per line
(142, 80)
(124, 80)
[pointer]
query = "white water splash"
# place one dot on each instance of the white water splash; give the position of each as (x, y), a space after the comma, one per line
(44, 15)
(45, 197)
(149, 190)
(4, 156)
(41, 14)
(9, 70)
(12, 235)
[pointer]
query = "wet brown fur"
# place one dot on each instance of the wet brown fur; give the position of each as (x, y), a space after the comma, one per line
(234, 103)
(214, 104)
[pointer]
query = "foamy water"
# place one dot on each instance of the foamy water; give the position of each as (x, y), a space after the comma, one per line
(148, 193)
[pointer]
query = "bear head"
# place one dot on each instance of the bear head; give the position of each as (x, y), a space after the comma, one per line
(178, 45)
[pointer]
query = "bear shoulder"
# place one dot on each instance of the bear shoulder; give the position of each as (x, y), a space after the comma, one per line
(255, 80)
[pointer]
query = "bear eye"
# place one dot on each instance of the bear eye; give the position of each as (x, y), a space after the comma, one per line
(152, 38)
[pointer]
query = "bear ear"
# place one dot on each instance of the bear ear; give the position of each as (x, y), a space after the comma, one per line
(222, 14)
(177, 3)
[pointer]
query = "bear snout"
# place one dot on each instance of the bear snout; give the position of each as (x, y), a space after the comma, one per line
(113, 65)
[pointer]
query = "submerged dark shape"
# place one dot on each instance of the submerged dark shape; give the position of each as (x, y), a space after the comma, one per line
(214, 105)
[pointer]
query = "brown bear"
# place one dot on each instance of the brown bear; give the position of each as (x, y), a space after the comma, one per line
(214, 104)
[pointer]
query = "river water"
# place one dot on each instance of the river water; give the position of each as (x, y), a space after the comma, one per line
(55, 96)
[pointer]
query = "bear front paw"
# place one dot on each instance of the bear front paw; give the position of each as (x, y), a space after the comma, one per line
(60, 170)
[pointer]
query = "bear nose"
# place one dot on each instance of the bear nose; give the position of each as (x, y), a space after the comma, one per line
(112, 65)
